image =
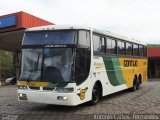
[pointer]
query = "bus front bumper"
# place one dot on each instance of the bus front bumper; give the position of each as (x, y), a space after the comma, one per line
(48, 97)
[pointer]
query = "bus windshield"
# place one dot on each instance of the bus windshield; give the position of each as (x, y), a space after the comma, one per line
(47, 64)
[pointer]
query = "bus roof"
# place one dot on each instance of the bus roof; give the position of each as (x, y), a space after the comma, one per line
(69, 27)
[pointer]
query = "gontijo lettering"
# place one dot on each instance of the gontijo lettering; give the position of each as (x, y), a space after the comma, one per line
(130, 63)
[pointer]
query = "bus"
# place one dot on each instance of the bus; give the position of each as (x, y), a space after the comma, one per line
(71, 65)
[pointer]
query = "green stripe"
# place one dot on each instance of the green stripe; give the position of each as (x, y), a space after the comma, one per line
(118, 71)
(109, 64)
(114, 71)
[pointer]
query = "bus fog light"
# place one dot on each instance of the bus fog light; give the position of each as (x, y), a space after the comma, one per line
(62, 98)
(20, 95)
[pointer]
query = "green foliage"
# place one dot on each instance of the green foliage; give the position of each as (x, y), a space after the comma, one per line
(6, 64)
(153, 45)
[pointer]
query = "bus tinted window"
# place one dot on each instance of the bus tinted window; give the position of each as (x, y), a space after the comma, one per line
(99, 44)
(114, 47)
(96, 44)
(84, 38)
(128, 48)
(141, 50)
(103, 45)
(135, 50)
(111, 46)
(121, 47)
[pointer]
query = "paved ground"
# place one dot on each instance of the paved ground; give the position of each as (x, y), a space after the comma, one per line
(144, 101)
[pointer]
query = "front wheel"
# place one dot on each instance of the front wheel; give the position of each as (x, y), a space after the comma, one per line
(134, 88)
(136, 85)
(95, 95)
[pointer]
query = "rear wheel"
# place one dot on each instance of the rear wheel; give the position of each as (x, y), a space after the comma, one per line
(95, 95)
(138, 84)
(134, 88)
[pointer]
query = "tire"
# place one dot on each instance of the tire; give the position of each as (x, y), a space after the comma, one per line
(138, 84)
(134, 88)
(95, 95)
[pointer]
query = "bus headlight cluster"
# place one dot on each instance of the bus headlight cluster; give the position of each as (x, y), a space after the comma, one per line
(64, 90)
(22, 87)
(64, 98)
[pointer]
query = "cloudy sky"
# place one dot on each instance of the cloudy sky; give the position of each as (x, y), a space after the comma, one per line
(139, 19)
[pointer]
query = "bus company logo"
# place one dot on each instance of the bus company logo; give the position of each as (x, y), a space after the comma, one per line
(83, 93)
(130, 63)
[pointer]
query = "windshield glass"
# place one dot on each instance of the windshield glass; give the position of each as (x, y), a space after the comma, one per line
(49, 37)
(48, 64)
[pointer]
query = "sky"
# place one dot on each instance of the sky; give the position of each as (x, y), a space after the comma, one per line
(136, 19)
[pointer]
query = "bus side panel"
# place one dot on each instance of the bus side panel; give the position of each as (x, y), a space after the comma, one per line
(106, 70)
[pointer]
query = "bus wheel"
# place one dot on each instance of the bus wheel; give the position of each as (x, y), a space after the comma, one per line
(134, 88)
(137, 83)
(95, 95)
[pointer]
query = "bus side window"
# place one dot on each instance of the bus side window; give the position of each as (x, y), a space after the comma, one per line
(135, 50)
(121, 47)
(113, 47)
(99, 44)
(96, 44)
(84, 38)
(141, 50)
(109, 44)
(103, 45)
(129, 49)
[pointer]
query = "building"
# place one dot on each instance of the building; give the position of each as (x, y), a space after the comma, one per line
(154, 61)
(12, 28)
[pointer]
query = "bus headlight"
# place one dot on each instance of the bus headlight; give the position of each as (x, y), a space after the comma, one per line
(22, 87)
(64, 98)
(64, 90)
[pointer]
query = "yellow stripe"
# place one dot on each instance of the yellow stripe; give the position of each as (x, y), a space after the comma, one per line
(32, 83)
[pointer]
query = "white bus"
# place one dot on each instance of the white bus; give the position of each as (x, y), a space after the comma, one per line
(71, 65)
